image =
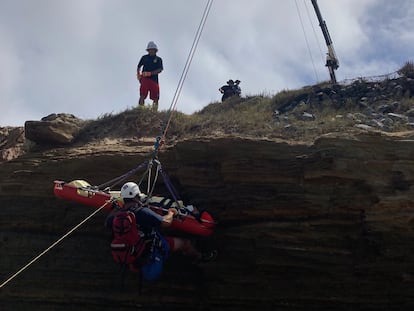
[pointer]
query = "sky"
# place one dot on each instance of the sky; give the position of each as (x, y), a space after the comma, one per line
(80, 56)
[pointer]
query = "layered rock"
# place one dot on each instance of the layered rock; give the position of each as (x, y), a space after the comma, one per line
(321, 226)
(53, 129)
(11, 143)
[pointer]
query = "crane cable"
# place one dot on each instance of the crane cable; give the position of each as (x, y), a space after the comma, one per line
(314, 31)
(307, 42)
(160, 139)
(53, 245)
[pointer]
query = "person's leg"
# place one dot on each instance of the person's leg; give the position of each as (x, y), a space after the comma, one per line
(154, 90)
(143, 91)
(141, 100)
(183, 245)
(188, 249)
(155, 105)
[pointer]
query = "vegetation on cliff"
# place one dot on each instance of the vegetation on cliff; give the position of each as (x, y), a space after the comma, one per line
(303, 114)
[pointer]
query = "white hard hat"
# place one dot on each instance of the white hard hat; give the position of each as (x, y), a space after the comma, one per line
(130, 190)
(152, 45)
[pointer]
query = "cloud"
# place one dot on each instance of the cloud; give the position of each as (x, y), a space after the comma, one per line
(49, 53)
(10, 77)
(80, 56)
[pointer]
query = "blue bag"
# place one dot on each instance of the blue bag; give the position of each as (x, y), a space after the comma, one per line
(159, 253)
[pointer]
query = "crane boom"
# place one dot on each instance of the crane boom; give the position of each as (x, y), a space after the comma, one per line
(331, 59)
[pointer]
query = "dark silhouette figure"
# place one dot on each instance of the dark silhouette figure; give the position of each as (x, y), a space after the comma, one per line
(231, 89)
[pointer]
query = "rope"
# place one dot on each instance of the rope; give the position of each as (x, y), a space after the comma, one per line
(169, 185)
(167, 182)
(151, 190)
(314, 31)
(161, 138)
(118, 180)
(149, 177)
(141, 180)
(307, 42)
(53, 245)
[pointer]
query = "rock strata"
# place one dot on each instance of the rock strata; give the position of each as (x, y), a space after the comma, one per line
(54, 129)
(325, 226)
(11, 143)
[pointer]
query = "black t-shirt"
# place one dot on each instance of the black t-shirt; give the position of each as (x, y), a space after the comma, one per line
(151, 63)
(227, 90)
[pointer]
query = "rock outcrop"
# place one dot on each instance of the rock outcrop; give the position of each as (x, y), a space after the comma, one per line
(11, 143)
(326, 226)
(381, 105)
(55, 129)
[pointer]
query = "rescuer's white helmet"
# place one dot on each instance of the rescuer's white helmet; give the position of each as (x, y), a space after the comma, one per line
(130, 190)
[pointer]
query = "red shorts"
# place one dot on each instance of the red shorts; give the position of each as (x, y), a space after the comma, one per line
(149, 85)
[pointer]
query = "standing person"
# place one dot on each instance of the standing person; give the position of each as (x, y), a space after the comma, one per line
(147, 224)
(237, 89)
(151, 66)
(227, 90)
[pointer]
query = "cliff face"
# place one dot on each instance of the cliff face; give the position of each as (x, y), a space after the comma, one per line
(327, 225)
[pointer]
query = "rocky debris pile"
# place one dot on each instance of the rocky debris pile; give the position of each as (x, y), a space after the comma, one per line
(12, 143)
(384, 105)
(54, 129)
